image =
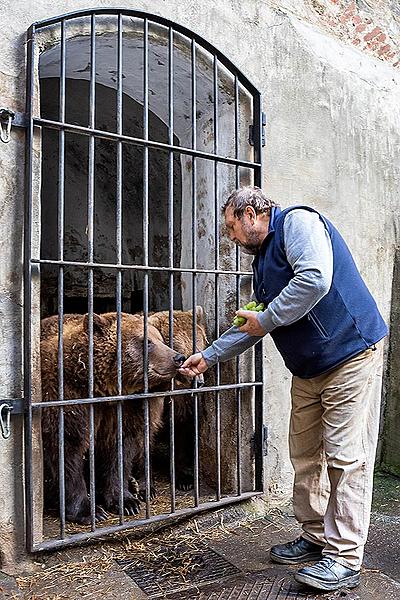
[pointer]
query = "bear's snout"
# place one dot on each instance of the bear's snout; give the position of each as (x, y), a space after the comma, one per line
(179, 359)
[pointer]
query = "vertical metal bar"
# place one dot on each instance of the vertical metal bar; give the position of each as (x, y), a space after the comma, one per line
(171, 254)
(194, 275)
(238, 391)
(216, 282)
(119, 272)
(90, 234)
(60, 213)
(259, 462)
(146, 259)
(28, 288)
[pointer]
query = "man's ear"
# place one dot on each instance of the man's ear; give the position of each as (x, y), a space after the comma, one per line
(251, 213)
(100, 324)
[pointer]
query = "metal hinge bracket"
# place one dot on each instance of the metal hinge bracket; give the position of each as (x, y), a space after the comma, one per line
(8, 119)
(6, 408)
(265, 440)
(251, 130)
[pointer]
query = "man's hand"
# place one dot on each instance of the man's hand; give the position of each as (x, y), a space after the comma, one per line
(252, 325)
(194, 365)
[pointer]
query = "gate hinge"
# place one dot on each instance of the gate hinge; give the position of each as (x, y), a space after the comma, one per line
(15, 406)
(8, 119)
(251, 130)
(265, 440)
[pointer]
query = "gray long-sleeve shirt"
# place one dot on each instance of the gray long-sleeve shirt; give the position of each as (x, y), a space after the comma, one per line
(309, 252)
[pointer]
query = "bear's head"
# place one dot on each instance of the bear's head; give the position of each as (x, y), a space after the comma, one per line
(182, 333)
(163, 362)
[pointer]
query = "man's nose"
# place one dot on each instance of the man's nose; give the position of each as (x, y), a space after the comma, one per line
(179, 359)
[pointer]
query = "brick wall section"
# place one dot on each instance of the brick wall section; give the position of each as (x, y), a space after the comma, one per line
(373, 26)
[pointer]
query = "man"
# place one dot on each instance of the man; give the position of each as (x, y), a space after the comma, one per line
(326, 326)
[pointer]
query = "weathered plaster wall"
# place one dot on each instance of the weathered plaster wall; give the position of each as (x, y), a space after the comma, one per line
(332, 136)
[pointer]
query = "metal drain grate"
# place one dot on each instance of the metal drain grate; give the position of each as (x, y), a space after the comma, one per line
(158, 580)
(249, 586)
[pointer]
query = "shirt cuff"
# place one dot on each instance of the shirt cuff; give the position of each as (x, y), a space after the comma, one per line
(265, 320)
(210, 356)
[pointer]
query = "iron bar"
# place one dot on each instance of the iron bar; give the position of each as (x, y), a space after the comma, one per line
(29, 157)
(146, 407)
(109, 135)
(60, 225)
(171, 257)
(71, 263)
(178, 392)
(216, 282)
(258, 416)
(90, 236)
(102, 531)
(119, 272)
(238, 279)
(194, 268)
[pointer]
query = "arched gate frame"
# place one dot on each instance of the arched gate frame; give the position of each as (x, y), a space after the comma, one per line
(34, 261)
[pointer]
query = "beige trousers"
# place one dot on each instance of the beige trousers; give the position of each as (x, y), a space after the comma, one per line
(333, 437)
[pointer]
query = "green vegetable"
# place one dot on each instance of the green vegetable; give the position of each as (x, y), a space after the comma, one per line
(239, 321)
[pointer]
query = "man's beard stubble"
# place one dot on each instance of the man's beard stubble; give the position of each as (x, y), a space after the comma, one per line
(252, 244)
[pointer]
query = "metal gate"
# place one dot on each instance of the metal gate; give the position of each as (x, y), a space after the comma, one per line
(93, 27)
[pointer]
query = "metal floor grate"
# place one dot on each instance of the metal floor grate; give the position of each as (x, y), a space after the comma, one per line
(158, 580)
(248, 586)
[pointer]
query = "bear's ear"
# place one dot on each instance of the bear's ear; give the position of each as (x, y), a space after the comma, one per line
(200, 314)
(100, 324)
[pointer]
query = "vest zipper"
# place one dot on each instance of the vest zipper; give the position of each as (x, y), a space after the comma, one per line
(318, 325)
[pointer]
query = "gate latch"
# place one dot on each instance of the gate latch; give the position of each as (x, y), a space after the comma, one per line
(6, 408)
(5, 418)
(6, 119)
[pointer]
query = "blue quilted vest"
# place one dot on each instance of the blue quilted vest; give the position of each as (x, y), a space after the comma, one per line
(342, 324)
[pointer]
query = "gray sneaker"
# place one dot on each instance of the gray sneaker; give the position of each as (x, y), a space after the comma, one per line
(327, 574)
(298, 551)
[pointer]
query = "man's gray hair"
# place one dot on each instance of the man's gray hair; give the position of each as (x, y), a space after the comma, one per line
(248, 196)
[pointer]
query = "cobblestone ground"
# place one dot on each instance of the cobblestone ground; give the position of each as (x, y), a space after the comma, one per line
(221, 556)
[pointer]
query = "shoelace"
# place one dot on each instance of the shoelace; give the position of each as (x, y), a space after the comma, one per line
(296, 541)
(326, 562)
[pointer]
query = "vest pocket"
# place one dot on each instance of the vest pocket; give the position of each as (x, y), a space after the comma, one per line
(317, 324)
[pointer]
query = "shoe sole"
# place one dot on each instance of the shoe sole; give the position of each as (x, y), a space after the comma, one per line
(297, 560)
(348, 582)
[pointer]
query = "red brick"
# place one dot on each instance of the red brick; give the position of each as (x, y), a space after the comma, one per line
(376, 31)
(360, 28)
(384, 49)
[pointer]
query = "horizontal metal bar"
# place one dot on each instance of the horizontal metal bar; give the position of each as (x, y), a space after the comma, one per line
(184, 392)
(102, 531)
(108, 135)
(152, 18)
(90, 265)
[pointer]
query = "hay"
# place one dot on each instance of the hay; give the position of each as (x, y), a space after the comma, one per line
(173, 551)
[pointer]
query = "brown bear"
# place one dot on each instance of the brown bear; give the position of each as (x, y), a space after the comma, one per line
(164, 363)
(183, 405)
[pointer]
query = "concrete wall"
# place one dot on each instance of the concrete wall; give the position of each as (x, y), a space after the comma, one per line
(332, 133)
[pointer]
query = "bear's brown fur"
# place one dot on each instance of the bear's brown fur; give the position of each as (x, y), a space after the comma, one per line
(163, 365)
(183, 405)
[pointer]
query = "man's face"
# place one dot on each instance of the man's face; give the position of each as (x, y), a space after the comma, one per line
(242, 231)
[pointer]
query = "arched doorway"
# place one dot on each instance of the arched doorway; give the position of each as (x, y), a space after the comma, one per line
(138, 130)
